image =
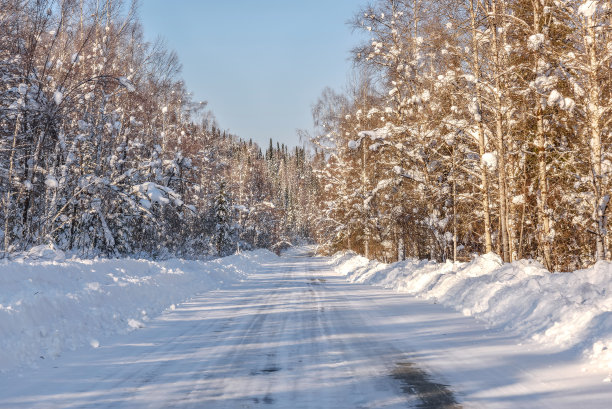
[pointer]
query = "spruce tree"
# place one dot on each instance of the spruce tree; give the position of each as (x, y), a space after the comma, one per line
(222, 239)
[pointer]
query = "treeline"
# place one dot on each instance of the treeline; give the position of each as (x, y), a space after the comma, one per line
(104, 152)
(473, 126)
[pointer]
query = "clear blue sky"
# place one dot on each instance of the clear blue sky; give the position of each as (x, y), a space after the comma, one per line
(260, 64)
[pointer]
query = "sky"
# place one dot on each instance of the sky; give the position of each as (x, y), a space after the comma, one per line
(260, 64)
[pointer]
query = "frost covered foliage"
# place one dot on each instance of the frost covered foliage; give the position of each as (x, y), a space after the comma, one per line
(102, 150)
(473, 127)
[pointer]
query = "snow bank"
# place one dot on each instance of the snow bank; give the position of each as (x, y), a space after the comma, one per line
(49, 304)
(562, 310)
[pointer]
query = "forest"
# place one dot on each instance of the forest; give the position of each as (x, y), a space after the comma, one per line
(466, 127)
(103, 150)
(471, 126)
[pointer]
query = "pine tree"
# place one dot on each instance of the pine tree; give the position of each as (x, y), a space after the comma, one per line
(223, 228)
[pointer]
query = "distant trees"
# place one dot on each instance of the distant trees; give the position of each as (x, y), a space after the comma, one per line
(103, 151)
(488, 129)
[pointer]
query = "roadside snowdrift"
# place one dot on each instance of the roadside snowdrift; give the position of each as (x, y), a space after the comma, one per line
(567, 311)
(49, 304)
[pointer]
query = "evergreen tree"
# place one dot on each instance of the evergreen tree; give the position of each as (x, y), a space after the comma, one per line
(223, 228)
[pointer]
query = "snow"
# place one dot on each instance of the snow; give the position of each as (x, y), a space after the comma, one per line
(556, 99)
(41, 253)
(536, 41)
(241, 208)
(51, 182)
(150, 192)
(543, 83)
(381, 133)
(489, 159)
(518, 200)
(83, 126)
(588, 8)
(374, 147)
(125, 82)
(565, 312)
(58, 97)
(294, 334)
(50, 305)
(474, 109)
(354, 144)
(470, 78)
(372, 112)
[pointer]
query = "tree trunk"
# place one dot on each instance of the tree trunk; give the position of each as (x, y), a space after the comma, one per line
(486, 208)
(9, 191)
(364, 183)
(593, 107)
(543, 212)
(540, 142)
(499, 133)
(454, 208)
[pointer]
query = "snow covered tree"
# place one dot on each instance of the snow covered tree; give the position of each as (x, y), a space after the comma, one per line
(223, 222)
(495, 116)
(103, 151)
(590, 64)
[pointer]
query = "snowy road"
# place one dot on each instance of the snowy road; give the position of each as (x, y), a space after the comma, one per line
(296, 335)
